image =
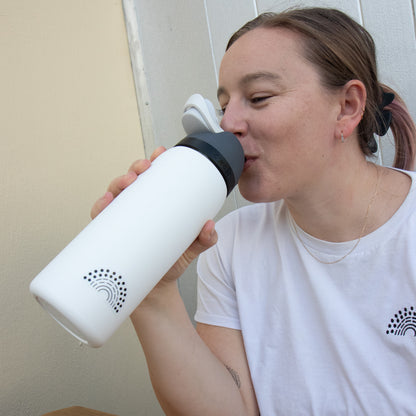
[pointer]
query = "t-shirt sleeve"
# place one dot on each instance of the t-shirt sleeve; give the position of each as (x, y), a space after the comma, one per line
(217, 303)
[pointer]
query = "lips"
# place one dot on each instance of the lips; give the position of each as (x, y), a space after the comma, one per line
(248, 161)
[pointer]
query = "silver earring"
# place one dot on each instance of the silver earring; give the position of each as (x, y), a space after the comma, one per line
(342, 137)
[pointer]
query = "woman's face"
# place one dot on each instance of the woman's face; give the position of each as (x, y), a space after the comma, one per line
(284, 118)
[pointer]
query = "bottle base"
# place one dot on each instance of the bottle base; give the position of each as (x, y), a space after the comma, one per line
(63, 321)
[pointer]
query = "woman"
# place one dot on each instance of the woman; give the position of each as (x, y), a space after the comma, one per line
(307, 303)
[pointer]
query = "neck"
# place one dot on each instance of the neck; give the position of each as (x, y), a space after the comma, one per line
(341, 208)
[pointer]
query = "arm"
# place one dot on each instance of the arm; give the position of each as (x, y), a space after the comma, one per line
(227, 344)
(186, 374)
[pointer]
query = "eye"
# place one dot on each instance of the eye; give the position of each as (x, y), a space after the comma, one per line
(258, 100)
(220, 111)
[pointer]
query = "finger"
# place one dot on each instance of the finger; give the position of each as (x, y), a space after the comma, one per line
(101, 203)
(158, 151)
(139, 166)
(206, 239)
(122, 182)
(208, 235)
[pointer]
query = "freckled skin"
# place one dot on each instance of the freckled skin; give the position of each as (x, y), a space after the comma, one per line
(283, 116)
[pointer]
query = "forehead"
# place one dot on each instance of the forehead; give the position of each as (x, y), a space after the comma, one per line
(272, 50)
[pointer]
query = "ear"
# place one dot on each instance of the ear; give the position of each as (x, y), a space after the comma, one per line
(353, 97)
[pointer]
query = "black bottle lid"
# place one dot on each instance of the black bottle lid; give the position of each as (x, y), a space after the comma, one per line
(223, 150)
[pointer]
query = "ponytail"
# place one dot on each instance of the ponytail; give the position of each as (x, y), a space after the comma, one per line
(404, 132)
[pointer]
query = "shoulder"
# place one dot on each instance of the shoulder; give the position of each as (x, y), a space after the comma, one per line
(403, 186)
(396, 195)
(400, 177)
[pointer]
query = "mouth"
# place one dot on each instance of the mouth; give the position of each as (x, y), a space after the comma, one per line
(248, 161)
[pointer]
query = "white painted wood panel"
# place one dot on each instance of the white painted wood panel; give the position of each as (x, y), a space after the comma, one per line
(176, 58)
(392, 27)
(224, 18)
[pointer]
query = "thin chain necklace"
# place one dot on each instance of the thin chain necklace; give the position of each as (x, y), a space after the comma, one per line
(361, 232)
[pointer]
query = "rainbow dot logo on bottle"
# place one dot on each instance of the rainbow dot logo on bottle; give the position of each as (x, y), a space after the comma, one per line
(110, 284)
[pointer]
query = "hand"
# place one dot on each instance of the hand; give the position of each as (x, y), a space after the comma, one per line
(206, 238)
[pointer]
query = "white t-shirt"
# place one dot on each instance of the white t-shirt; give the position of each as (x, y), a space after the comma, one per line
(321, 339)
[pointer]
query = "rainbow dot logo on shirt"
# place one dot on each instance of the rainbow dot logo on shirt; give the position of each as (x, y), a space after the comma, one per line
(403, 323)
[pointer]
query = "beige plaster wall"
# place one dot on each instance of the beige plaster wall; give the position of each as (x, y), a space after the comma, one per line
(68, 124)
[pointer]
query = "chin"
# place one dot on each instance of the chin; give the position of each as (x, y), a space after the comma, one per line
(257, 191)
(253, 195)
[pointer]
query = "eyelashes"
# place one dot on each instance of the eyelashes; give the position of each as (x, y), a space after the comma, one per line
(255, 101)
(258, 100)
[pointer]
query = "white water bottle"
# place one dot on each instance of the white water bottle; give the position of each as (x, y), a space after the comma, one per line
(97, 281)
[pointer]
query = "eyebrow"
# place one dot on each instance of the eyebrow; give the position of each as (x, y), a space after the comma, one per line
(249, 78)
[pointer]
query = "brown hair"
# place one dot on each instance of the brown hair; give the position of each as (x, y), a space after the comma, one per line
(342, 50)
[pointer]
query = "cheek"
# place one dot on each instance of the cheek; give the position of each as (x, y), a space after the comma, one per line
(291, 118)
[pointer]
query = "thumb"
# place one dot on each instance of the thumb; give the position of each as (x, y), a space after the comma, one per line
(206, 239)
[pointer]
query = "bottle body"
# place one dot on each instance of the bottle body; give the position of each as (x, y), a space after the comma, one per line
(97, 281)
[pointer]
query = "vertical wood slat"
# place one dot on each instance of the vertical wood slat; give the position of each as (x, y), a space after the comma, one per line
(413, 5)
(140, 81)
(177, 60)
(225, 17)
(393, 31)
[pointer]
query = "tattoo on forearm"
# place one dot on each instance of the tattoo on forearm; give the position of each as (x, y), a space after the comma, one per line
(234, 375)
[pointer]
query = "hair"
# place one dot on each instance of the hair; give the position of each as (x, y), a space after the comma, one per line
(342, 50)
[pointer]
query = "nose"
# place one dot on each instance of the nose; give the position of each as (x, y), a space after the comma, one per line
(234, 120)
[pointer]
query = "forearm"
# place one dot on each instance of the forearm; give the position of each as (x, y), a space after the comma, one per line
(187, 377)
